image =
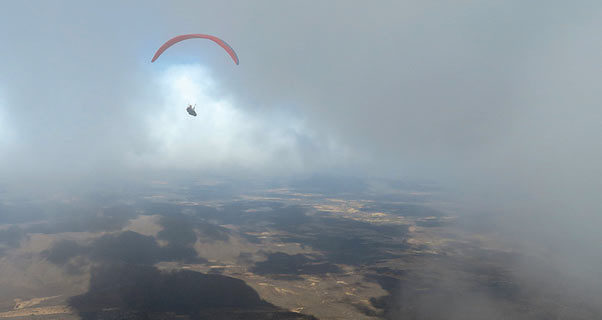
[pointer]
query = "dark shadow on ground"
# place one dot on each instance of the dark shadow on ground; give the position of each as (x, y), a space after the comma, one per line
(83, 219)
(342, 241)
(124, 247)
(279, 264)
(11, 237)
(143, 292)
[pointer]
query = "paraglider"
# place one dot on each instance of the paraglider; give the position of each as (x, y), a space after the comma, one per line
(190, 110)
(177, 39)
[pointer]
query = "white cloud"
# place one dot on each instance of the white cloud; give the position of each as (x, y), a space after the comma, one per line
(225, 135)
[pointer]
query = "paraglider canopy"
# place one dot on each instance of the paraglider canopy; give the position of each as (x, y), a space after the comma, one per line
(177, 39)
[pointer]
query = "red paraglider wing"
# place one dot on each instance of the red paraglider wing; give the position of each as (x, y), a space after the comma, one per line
(177, 39)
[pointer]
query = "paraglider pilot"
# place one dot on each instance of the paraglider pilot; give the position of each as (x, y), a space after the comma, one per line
(191, 110)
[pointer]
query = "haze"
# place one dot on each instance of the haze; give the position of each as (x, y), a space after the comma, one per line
(495, 103)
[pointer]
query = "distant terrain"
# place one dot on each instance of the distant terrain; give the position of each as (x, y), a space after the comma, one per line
(205, 251)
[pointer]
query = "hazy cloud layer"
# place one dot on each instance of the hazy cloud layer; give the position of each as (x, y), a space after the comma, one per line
(499, 101)
(445, 90)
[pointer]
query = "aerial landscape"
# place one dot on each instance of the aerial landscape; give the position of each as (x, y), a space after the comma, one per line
(173, 252)
(276, 160)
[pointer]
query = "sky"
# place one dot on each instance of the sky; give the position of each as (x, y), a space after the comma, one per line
(499, 100)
